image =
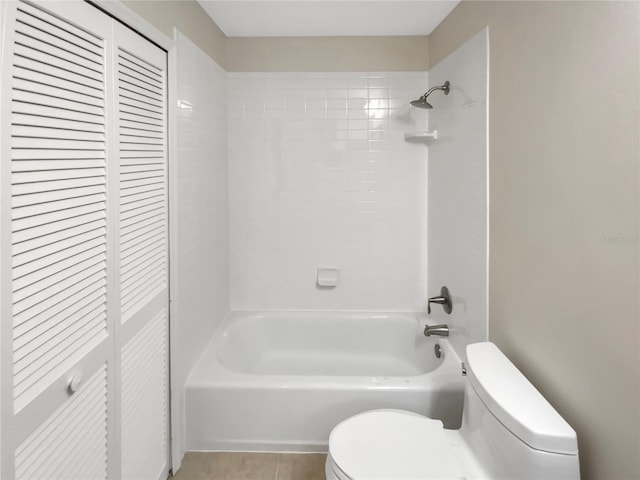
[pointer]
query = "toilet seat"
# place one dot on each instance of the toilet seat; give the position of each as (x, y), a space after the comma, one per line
(393, 444)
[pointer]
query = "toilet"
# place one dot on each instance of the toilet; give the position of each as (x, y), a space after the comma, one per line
(508, 431)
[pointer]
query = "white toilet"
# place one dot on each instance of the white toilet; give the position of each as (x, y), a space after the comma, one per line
(509, 431)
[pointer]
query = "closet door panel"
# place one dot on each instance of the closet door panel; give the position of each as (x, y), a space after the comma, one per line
(143, 261)
(55, 240)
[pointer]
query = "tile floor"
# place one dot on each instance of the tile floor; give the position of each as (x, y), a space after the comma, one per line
(251, 466)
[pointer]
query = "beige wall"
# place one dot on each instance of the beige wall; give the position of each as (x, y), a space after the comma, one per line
(283, 54)
(564, 209)
(327, 54)
(188, 17)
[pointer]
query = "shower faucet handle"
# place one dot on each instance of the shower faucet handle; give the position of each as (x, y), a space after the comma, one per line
(443, 299)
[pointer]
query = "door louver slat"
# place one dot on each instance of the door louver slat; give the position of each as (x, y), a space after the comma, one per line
(58, 237)
(38, 207)
(129, 125)
(140, 69)
(34, 179)
(56, 47)
(29, 14)
(50, 258)
(33, 82)
(56, 63)
(131, 76)
(55, 37)
(33, 131)
(51, 193)
(49, 275)
(42, 330)
(143, 94)
(75, 299)
(24, 223)
(57, 117)
(51, 70)
(41, 97)
(58, 189)
(25, 119)
(135, 194)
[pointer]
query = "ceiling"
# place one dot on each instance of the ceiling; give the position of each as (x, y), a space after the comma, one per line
(266, 18)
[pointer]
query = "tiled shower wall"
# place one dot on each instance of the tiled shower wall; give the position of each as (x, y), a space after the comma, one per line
(320, 176)
(199, 202)
(458, 192)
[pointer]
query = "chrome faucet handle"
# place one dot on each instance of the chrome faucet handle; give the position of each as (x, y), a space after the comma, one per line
(439, 300)
(443, 299)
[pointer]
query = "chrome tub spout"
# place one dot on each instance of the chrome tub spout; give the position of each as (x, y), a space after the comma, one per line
(440, 330)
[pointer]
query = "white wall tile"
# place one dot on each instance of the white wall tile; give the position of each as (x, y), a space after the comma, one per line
(458, 191)
(328, 180)
(200, 236)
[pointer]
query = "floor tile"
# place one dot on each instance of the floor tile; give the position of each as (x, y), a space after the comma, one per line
(251, 466)
(293, 466)
(195, 466)
(243, 466)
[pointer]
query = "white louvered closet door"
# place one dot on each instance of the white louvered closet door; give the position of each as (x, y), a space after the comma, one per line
(83, 242)
(56, 311)
(142, 255)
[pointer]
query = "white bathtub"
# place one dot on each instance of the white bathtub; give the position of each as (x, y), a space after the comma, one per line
(280, 381)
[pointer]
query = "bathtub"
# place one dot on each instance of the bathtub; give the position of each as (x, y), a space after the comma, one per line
(280, 381)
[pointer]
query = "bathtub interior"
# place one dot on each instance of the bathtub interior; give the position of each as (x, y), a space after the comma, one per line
(305, 343)
(281, 381)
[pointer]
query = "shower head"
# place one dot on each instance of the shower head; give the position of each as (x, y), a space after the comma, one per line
(422, 101)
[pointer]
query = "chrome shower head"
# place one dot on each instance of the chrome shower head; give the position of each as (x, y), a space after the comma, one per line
(422, 101)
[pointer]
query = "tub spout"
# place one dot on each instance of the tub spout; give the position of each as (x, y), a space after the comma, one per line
(440, 330)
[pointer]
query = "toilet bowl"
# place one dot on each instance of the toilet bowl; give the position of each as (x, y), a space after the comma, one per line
(390, 444)
(508, 431)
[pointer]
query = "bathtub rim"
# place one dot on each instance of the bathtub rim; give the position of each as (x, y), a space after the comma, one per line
(220, 375)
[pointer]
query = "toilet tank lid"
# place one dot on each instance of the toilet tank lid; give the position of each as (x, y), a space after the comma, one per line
(516, 403)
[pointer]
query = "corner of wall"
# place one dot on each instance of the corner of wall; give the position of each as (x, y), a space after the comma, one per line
(464, 21)
(188, 17)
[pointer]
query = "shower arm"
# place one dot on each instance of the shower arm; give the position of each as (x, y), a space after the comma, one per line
(444, 87)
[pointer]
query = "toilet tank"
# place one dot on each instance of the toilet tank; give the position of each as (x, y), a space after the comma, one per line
(509, 426)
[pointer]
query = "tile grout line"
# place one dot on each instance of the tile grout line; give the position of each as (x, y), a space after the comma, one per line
(278, 467)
